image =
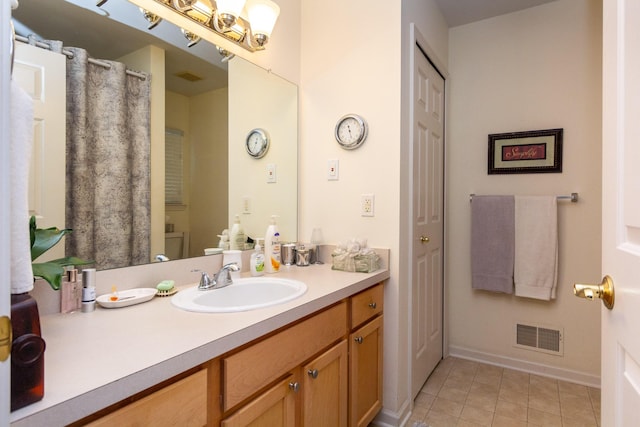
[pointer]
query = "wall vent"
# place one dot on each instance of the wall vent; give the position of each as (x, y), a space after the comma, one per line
(189, 76)
(547, 339)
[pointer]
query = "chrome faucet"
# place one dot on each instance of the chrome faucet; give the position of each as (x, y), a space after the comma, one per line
(221, 279)
(161, 258)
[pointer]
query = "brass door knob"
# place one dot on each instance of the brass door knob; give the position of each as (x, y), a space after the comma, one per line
(424, 239)
(6, 338)
(604, 291)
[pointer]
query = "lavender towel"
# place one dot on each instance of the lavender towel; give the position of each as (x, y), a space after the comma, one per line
(492, 243)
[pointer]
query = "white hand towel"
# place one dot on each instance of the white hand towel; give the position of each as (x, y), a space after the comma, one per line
(536, 240)
(20, 152)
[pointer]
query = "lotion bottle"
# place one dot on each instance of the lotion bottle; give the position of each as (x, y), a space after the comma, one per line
(272, 247)
(256, 264)
(88, 290)
(236, 236)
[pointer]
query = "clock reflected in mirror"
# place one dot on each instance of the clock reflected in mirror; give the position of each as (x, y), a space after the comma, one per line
(257, 143)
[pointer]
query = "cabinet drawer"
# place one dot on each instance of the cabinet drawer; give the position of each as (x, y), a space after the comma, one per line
(366, 304)
(253, 368)
(183, 403)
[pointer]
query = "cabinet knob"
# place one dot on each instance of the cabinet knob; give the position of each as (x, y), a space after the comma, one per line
(358, 340)
(313, 373)
(295, 386)
(373, 305)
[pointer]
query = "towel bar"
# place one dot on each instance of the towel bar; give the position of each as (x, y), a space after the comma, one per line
(573, 197)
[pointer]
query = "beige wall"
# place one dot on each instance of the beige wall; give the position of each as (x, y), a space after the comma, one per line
(177, 111)
(535, 69)
(203, 119)
(208, 125)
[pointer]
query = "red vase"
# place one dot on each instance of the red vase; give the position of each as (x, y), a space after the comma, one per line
(27, 352)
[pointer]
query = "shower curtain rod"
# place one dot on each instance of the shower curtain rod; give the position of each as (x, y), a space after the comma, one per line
(573, 197)
(68, 53)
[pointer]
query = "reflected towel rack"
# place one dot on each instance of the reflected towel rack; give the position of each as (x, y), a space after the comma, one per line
(573, 197)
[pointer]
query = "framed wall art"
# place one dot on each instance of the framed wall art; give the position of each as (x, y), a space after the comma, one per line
(537, 151)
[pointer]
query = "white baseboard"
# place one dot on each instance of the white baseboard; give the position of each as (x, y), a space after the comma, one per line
(387, 418)
(530, 367)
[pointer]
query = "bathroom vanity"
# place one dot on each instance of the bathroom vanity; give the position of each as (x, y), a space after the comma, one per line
(316, 360)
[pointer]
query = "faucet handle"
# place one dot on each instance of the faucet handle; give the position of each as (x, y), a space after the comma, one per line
(233, 266)
(205, 281)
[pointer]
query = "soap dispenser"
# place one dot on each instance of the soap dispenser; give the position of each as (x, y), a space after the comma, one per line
(256, 263)
(224, 240)
(236, 237)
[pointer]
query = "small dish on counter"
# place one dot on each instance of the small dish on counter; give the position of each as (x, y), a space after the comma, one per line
(127, 298)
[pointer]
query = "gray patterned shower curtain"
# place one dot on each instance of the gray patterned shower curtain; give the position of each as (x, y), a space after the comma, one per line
(108, 163)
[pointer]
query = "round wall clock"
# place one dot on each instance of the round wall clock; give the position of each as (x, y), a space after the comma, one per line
(351, 131)
(257, 143)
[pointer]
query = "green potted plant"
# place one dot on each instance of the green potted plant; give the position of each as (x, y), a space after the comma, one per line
(41, 241)
(27, 354)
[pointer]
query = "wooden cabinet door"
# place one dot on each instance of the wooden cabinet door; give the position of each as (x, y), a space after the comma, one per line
(275, 407)
(325, 388)
(183, 403)
(365, 370)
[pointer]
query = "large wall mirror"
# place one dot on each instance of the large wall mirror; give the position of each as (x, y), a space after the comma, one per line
(203, 113)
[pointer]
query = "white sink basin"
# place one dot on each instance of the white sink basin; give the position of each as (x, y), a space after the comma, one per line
(243, 295)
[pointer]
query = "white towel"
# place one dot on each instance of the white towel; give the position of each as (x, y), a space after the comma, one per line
(536, 254)
(20, 152)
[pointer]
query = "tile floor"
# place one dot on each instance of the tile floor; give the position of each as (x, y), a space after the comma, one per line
(463, 393)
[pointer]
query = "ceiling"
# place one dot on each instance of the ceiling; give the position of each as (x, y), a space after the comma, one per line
(103, 34)
(50, 20)
(460, 12)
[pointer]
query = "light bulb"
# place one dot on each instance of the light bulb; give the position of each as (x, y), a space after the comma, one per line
(262, 17)
(229, 10)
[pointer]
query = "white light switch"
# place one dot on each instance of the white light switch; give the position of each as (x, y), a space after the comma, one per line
(271, 173)
(332, 169)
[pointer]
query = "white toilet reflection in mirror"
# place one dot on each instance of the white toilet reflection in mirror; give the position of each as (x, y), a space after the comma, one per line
(176, 244)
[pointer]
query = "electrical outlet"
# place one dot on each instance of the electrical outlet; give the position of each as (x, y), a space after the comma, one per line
(246, 205)
(367, 205)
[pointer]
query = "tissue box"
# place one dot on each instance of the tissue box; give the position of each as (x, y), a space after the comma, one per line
(359, 263)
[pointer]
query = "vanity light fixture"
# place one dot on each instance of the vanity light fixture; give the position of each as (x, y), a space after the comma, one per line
(229, 10)
(193, 38)
(151, 17)
(226, 55)
(247, 23)
(262, 15)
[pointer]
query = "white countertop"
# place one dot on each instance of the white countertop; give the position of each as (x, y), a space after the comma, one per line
(93, 360)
